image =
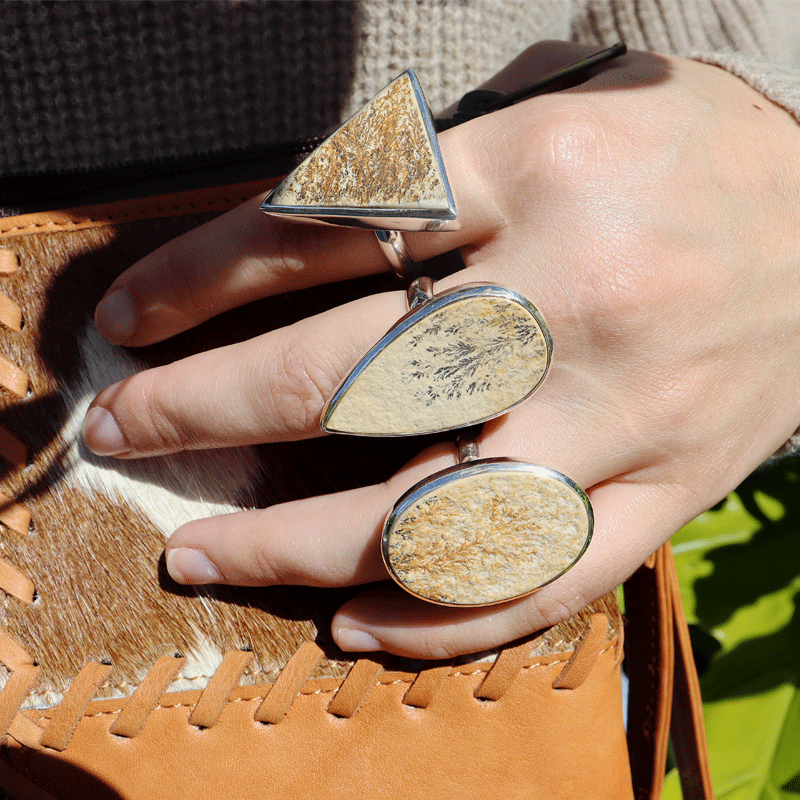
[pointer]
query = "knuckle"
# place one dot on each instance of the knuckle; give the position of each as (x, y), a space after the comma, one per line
(261, 565)
(301, 384)
(176, 284)
(292, 242)
(438, 645)
(619, 283)
(617, 298)
(550, 610)
(163, 429)
(572, 144)
(669, 397)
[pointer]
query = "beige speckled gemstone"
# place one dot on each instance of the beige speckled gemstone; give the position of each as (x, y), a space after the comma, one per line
(488, 537)
(458, 364)
(380, 158)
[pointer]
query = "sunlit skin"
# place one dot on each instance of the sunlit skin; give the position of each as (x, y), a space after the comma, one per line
(652, 214)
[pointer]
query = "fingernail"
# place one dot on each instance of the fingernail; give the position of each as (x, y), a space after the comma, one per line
(102, 434)
(116, 317)
(187, 565)
(352, 640)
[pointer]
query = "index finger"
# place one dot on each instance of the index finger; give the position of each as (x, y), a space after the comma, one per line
(245, 255)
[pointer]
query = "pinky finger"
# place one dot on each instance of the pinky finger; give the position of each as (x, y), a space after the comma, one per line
(631, 522)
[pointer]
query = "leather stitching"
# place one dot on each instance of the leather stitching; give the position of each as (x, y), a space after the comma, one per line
(15, 516)
(13, 378)
(15, 583)
(67, 714)
(162, 205)
(68, 225)
(288, 684)
(13, 449)
(134, 714)
(85, 696)
(426, 686)
(215, 696)
(58, 724)
(586, 654)
(24, 672)
(10, 314)
(9, 263)
(355, 687)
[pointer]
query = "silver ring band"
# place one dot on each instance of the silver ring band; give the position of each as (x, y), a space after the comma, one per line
(394, 248)
(467, 448)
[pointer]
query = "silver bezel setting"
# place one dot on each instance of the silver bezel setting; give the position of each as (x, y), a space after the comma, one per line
(407, 321)
(382, 217)
(470, 469)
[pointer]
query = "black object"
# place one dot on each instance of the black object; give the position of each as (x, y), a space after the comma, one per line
(483, 101)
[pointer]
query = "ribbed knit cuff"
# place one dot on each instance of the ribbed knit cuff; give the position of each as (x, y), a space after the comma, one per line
(777, 82)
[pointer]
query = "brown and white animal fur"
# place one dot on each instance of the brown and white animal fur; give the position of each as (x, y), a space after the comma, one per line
(99, 525)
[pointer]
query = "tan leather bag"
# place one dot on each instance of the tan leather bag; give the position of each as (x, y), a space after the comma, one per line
(103, 692)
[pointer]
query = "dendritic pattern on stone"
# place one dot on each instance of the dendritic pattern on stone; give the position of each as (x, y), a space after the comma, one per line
(488, 538)
(468, 361)
(467, 355)
(380, 158)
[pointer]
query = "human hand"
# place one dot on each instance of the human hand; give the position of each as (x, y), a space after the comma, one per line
(652, 214)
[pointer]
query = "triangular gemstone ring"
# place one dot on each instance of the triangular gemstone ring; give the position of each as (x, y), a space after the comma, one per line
(382, 169)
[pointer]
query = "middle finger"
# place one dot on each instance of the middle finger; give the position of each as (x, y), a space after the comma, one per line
(271, 388)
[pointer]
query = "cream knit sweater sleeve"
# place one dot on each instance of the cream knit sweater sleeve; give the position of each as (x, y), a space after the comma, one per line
(93, 84)
(753, 39)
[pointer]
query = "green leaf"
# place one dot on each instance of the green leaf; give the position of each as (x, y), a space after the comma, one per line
(739, 566)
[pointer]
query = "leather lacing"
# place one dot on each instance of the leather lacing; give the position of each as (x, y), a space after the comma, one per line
(14, 516)
(55, 728)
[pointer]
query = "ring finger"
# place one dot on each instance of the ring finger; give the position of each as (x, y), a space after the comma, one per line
(332, 540)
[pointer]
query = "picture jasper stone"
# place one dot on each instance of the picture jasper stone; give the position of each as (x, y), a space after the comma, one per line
(486, 532)
(460, 358)
(382, 169)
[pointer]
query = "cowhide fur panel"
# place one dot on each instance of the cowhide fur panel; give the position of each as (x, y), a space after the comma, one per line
(95, 549)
